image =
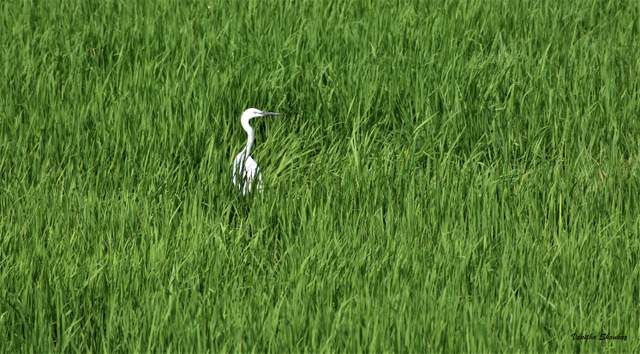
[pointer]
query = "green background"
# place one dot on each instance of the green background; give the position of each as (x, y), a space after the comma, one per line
(447, 176)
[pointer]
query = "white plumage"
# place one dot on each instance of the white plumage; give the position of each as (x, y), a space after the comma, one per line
(245, 169)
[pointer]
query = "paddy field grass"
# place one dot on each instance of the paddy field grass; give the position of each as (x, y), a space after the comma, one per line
(446, 176)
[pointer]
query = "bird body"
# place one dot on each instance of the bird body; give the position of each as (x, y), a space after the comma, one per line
(245, 169)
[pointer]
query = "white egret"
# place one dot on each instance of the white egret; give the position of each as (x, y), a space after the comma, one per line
(245, 168)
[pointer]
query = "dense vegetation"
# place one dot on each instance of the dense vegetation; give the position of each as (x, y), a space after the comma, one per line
(446, 176)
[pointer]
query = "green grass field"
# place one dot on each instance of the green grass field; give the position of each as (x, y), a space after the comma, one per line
(447, 176)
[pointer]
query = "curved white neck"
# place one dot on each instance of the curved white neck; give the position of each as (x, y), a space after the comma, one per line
(250, 136)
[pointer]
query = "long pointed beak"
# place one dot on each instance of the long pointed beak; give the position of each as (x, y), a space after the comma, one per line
(270, 113)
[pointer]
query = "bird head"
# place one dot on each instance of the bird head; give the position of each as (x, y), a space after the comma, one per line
(254, 112)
